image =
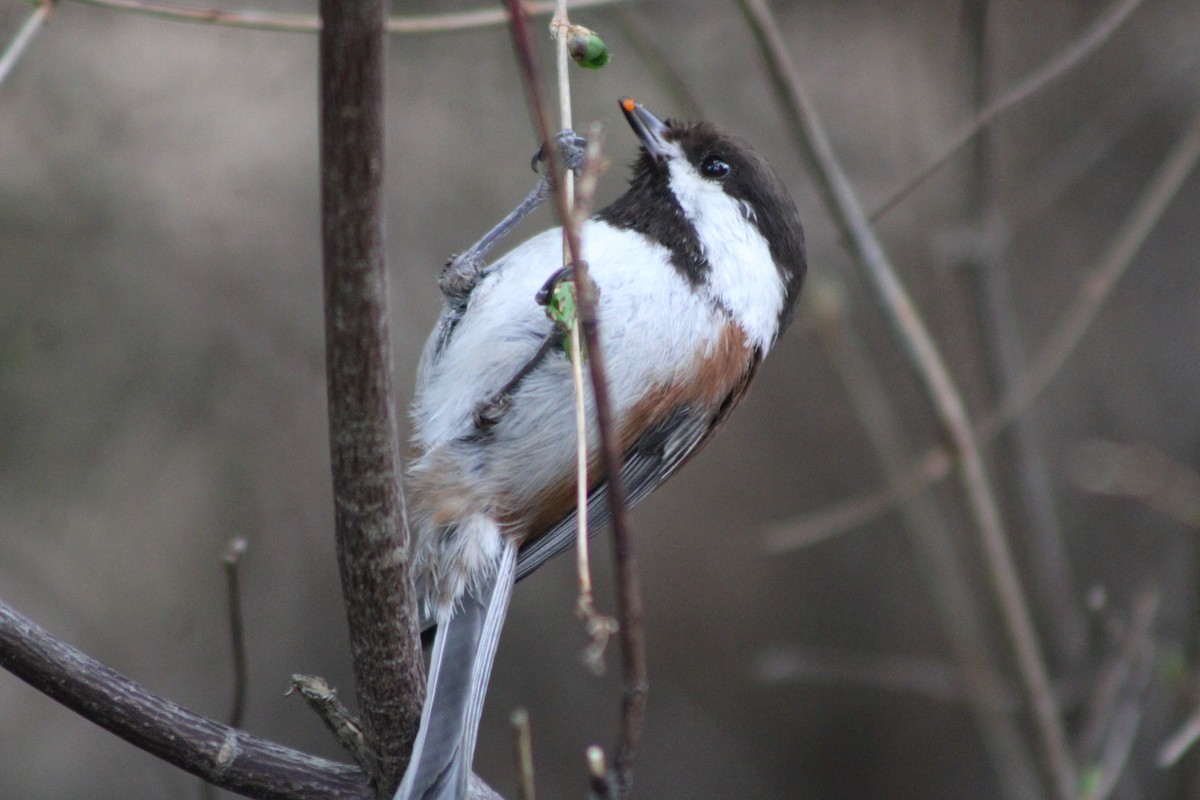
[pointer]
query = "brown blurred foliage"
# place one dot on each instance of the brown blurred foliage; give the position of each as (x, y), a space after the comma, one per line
(161, 388)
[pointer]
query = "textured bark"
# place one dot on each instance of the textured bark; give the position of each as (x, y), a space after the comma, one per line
(368, 502)
(223, 756)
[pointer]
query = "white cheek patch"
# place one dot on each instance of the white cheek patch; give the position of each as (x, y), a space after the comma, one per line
(744, 278)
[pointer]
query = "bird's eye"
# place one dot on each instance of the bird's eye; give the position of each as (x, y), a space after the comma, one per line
(714, 167)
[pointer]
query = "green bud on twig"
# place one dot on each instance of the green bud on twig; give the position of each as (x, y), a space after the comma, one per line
(586, 48)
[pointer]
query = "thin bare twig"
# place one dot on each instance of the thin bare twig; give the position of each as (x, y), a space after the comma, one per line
(923, 352)
(1070, 56)
(1141, 472)
(629, 599)
(223, 756)
(937, 680)
(1124, 677)
(307, 23)
(1095, 289)
(371, 532)
(1115, 709)
(1098, 285)
(1180, 742)
(25, 36)
(237, 630)
(600, 627)
(598, 779)
(989, 278)
(523, 745)
(337, 718)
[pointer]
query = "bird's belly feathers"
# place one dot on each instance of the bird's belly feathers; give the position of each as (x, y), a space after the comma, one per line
(657, 332)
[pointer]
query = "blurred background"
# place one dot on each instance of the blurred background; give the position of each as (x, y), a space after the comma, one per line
(810, 636)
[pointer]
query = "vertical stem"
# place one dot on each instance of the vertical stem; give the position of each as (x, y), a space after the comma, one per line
(1051, 581)
(629, 596)
(372, 538)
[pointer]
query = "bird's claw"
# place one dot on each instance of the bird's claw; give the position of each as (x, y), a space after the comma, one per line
(460, 275)
(572, 149)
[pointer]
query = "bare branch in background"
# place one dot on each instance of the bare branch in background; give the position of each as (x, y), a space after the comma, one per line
(932, 544)
(371, 532)
(937, 680)
(1098, 284)
(1117, 702)
(848, 213)
(223, 756)
(1094, 291)
(1140, 472)
(989, 280)
(307, 23)
(25, 36)
(523, 747)
(1091, 39)
(237, 631)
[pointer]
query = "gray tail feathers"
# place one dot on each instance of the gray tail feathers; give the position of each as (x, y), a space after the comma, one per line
(458, 677)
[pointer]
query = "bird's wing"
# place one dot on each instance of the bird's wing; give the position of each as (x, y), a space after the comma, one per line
(648, 462)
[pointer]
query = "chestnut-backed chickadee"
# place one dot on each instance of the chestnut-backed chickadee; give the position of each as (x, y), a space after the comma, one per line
(698, 267)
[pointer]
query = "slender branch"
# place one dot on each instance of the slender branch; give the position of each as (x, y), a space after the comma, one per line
(221, 755)
(372, 536)
(599, 785)
(1070, 56)
(923, 352)
(1118, 700)
(237, 630)
(337, 718)
(1141, 472)
(25, 36)
(523, 746)
(307, 23)
(929, 678)
(1068, 332)
(989, 278)
(1179, 743)
(629, 600)
(1094, 290)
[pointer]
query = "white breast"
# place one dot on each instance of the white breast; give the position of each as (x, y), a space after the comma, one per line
(651, 321)
(744, 279)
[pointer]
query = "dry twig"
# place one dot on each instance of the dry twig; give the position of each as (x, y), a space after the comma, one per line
(1068, 57)
(307, 23)
(629, 600)
(523, 744)
(25, 36)
(237, 631)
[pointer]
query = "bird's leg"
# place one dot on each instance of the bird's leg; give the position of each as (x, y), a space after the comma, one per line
(489, 412)
(462, 272)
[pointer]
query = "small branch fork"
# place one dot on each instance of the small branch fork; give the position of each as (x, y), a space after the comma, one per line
(223, 756)
(629, 602)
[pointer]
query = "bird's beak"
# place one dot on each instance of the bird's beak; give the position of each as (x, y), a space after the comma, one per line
(649, 128)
